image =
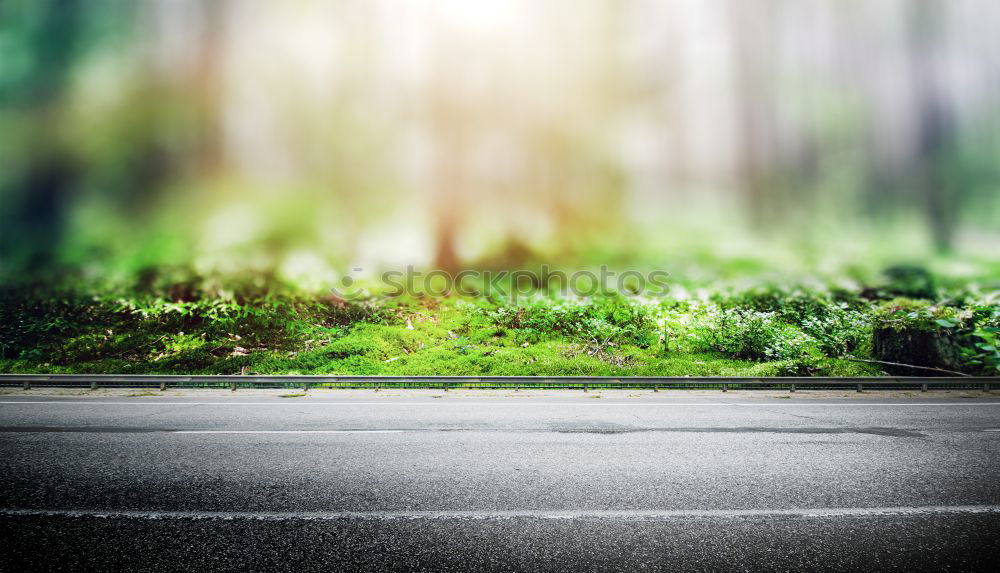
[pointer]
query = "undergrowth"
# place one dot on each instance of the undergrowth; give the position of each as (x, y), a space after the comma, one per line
(762, 331)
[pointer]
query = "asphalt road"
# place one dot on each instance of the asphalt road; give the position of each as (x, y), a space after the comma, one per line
(625, 481)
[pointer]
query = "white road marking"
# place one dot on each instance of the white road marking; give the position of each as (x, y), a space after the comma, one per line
(623, 515)
(513, 403)
(287, 431)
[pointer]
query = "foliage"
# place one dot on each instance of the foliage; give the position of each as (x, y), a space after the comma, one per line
(982, 350)
(907, 314)
(609, 319)
(973, 327)
(763, 330)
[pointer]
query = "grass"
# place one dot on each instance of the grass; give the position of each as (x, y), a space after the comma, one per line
(758, 331)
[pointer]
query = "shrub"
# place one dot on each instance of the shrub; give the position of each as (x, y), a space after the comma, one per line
(839, 332)
(613, 319)
(792, 305)
(752, 335)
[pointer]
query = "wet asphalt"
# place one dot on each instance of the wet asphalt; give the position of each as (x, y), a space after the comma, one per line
(499, 482)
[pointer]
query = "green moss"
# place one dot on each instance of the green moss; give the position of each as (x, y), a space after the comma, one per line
(903, 314)
(764, 332)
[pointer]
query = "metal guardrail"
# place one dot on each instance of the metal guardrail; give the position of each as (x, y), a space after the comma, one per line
(656, 383)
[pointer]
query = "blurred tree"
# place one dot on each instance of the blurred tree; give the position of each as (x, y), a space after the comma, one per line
(448, 121)
(753, 38)
(936, 125)
(207, 84)
(43, 36)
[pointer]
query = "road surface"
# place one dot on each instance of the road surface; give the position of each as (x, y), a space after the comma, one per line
(359, 481)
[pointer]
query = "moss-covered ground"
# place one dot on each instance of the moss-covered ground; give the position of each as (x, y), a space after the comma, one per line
(759, 331)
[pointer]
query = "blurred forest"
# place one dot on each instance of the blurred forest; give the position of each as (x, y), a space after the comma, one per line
(299, 139)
